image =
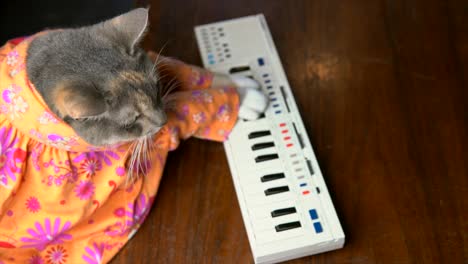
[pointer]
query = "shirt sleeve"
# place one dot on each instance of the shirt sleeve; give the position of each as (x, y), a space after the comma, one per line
(184, 76)
(5, 49)
(207, 114)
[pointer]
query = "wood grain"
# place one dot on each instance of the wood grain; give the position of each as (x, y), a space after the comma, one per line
(382, 88)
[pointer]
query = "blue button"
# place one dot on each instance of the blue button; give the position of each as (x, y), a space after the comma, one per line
(318, 227)
(275, 105)
(269, 87)
(278, 112)
(313, 214)
(210, 56)
(273, 99)
(212, 62)
(302, 185)
(261, 62)
(271, 93)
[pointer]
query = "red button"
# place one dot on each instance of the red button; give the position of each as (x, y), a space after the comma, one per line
(287, 138)
(282, 124)
(284, 131)
(289, 145)
(305, 192)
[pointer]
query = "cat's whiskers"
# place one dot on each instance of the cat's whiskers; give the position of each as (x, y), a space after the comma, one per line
(157, 61)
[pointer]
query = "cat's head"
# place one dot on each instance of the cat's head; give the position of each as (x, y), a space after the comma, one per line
(98, 80)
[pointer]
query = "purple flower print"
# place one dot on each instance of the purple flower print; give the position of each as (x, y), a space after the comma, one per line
(139, 210)
(36, 259)
(33, 204)
(182, 115)
(85, 189)
(47, 234)
(101, 156)
(90, 166)
(135, 215)
(9, 156)
(202, 97)
(223, 113)
(95, 253)
(56, 255)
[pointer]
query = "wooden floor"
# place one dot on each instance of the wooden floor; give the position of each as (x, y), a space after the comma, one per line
(382, 88)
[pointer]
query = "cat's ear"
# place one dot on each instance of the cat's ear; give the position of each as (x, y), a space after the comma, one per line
(131, 26)
(78, 101)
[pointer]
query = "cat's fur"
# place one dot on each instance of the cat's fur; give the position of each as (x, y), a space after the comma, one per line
(99, 81)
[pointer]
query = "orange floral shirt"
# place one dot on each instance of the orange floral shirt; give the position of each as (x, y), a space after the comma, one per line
(65, 201)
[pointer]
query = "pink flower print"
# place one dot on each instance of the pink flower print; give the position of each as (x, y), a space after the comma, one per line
(17, 107)
(90, 166)
(15, 104)
(60, 142)
(36, 259)
(47, 235)
(85, 189)
(199, 117)
(10, 156)
(33, 205)
(223, 113)
(67, 173)
(46, 118)
(12, 57)
(94, 254)
(16, 70)
(119, 212)
(56, 255)
(101, 156)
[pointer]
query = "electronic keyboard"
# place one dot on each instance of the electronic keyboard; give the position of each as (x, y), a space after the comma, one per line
(285, 204)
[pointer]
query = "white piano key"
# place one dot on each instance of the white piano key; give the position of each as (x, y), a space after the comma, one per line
(262, 212)
(270, 235)
(258, 188)
(258, 199)
(262, 224)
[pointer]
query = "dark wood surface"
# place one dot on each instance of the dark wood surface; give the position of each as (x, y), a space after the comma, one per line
(382, 88)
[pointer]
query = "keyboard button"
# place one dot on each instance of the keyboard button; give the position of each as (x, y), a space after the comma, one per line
(266, 157)
(257, 134)
(272, 177)
(276, 190)
(263, 145)
(313, 214)
(284, 211)
(287, 226)
(318, 227)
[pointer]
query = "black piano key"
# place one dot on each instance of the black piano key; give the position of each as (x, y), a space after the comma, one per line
(266, 157)
(272, 177)
(276, 190)
(284, 211)
(287, 226)
(263, 145)
(257, 134)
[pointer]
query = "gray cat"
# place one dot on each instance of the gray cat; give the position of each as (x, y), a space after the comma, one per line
(99, 81)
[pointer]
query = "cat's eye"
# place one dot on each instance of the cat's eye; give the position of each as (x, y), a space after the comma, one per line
(131, 124)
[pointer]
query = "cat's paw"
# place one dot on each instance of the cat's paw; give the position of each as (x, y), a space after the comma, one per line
(253, 102)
